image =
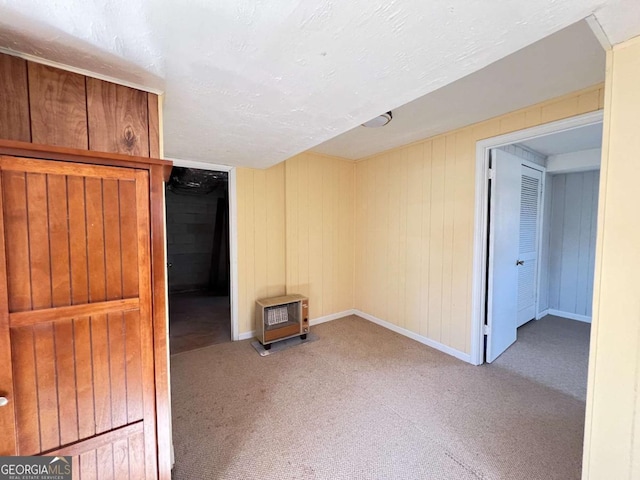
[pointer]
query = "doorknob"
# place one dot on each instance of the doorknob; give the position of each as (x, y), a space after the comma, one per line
(519, 262)
(3, 401)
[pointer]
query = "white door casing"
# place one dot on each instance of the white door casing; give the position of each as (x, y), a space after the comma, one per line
(480, 284)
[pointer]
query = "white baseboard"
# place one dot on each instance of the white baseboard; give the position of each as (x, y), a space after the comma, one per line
(465, 357)
(247, 335)
(542, 314)
(333, 316)
(569, 315)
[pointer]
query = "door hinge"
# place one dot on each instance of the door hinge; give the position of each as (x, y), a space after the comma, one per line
(491, 174)
(485, 329)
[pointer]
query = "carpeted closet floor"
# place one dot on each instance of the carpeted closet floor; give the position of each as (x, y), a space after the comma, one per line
(365, 403)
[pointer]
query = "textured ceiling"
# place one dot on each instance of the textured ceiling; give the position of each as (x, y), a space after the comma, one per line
(252, 82)
(564, 62)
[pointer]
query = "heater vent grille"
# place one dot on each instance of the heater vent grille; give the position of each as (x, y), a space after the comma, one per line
(277, 315)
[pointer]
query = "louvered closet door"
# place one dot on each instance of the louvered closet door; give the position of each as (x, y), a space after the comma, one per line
(530, 196)
(75, 332)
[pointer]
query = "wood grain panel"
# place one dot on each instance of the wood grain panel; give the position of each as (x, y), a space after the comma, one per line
(86, 371)
(88, 466)
(65, 363)
(112, 246)
(59, 240)
(121, 459)
(78, 240)
(58, 313)
(148, 353)
(70, 169)
(14, 99)
(117, 455)
(26, 391)
(17, 240)
(154, 125)
(117, 118)
(39, 254)
(136, 457)
(50, 106)
(118, 369)
(104, 458)
(95, 240)
(162, 406)
(101, 372)
(75, 467)
(7, 413)
(84, 377)
(47, 386)
(58, 106)
(128, 237)
(133, 366)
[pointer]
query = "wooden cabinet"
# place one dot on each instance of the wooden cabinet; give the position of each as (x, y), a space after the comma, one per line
(82, 313)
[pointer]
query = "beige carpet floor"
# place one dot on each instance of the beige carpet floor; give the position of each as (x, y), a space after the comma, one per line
(553, 351)
(365, 403)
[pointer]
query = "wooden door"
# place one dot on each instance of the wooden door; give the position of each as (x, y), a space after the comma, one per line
(76, 340)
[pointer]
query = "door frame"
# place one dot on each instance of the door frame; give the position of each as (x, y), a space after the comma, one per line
(233, 235)
(480, 234)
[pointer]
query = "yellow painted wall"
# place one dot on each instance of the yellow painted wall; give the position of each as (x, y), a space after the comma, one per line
(612, 429)
(261, 233)
(414, 224)
(295, 234)
(320, 231)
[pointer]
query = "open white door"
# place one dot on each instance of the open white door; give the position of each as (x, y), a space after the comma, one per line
(504, 226)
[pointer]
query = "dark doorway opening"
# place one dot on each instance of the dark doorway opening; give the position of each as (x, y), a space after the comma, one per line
(197, 203)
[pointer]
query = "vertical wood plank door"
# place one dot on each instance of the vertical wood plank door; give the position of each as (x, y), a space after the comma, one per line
(76, 339)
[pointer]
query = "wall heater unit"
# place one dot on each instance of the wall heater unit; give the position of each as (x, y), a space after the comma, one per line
(283, 317)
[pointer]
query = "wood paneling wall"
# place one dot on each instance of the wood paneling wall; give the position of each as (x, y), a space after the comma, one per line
(49, 106)
(296, 233)
(414, 224)
(261, 238)
(574, 208)
(402, 222)
(320, 205)
(612, 426)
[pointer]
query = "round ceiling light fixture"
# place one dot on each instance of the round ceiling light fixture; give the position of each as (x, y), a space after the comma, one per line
(379, 121)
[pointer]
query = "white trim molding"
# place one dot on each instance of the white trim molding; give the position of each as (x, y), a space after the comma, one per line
(247, 335)
(465, 357)
(569, 315)
(233, 255)
(233, 235)
(479, 287)
(177, 162)
(542, 314)
(333, 316)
